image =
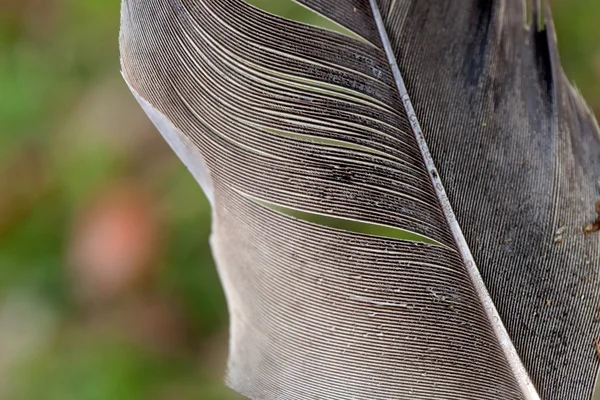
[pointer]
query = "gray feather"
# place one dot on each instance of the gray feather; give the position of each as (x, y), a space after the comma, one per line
(449, 121)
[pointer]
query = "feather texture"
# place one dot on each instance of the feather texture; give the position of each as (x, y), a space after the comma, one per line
(275, 118)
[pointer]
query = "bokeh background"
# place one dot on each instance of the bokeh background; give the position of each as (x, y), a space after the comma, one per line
(107, 287)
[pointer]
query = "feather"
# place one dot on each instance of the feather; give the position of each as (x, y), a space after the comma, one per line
(447, 137)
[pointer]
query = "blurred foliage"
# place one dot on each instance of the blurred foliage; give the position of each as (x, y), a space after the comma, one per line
(107, 287)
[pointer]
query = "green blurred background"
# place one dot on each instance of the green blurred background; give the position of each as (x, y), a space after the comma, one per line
(107, 287)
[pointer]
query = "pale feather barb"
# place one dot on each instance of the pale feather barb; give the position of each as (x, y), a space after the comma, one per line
(278, 121)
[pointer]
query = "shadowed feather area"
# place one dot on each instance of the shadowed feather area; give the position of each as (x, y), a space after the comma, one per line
(490, 156)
